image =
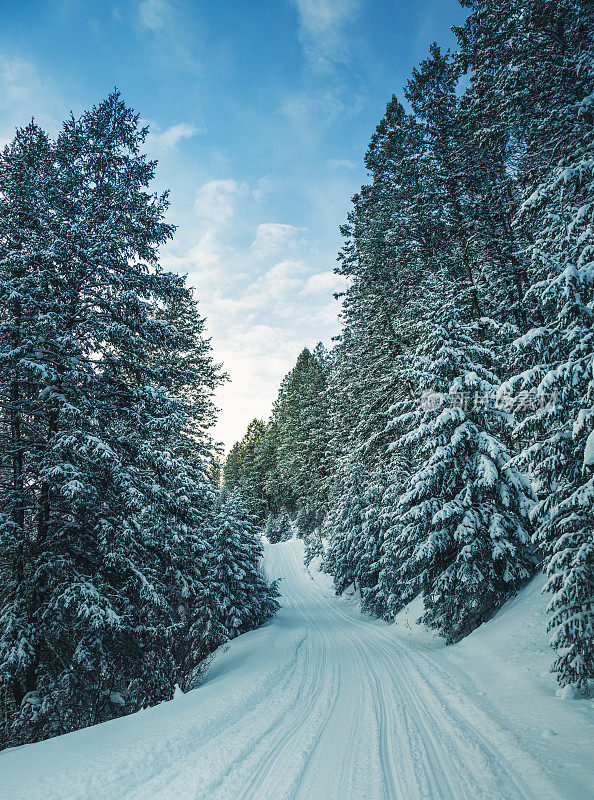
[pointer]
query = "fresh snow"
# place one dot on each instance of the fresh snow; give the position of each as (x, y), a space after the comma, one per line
(589, 451)
(323, 702)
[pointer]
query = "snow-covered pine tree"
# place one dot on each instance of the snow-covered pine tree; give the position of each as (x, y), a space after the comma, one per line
(300, 417)
(308, 519)
(463, 517)
(27, 174)
(181, 526)
(244, 599)
(248, 467)
(526, 62)
(395, 585)
(531, 64)
(382, 258)
(343, 530)
(354, 534)
(384, 255)
(285, 529)
(373, 590)
(106, 384)
(270, 527)
(560, 416)
(278, 527)
(308, 522)
(232, 595)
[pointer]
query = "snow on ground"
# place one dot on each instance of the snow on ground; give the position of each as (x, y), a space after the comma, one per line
(323, 703)
(503, 671)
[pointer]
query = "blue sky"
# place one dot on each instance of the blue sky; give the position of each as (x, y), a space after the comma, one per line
(260, 114)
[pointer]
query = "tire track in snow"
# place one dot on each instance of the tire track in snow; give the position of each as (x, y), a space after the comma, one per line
(231, 730)
(284, 725)
(441, 758)
(305, 720)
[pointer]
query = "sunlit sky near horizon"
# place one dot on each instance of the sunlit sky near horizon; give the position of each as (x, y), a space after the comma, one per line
(260, 114)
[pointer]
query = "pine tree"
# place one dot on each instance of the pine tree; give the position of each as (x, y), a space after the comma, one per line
(354, 532)
(300, 415)
(528, 61)
(94, 401)
(463, 517)
(106, 380)
(343, 529)
(559, 418)
(247, 468)
(532, 72)
(278, 528)
(473, 231)
(383, 255)
(280, 466)
(244, 599)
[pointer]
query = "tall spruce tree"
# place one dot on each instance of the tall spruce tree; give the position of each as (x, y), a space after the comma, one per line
(463, 525)
(106, 400)
(532, 68)
(244, 599)
(559, 420)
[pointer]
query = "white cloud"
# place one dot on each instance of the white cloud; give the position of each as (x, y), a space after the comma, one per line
(323, 28)
(264, 187)
(280, 281)
(320, 17)
(25, 93)
(324, 283)
(259, 325)
(264, 294)
(311, 110)
(170, 137)
(153, 14)
(171, 36)
(203, 263)
(307, 105)
(18, 79)
(274, 237)
(330, 200)
(263, 305)
(215, 200)
(256, 359)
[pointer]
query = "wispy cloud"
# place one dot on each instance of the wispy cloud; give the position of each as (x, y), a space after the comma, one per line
(154, 14)
(303, 107)
(324, 28)
(18, 78)
(310, 111)
(170, 137)
(264, 187)
(215, 200)
(168, 27)
(24, 93)
(340, 163)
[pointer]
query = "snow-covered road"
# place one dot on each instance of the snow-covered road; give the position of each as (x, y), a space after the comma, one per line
(322, 703)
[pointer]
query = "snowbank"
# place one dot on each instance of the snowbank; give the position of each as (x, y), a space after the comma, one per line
(504, 666)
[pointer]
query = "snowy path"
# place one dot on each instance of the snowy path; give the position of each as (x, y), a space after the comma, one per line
(321, 704)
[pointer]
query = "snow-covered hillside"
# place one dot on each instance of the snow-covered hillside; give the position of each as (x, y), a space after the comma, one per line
(325, 703)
